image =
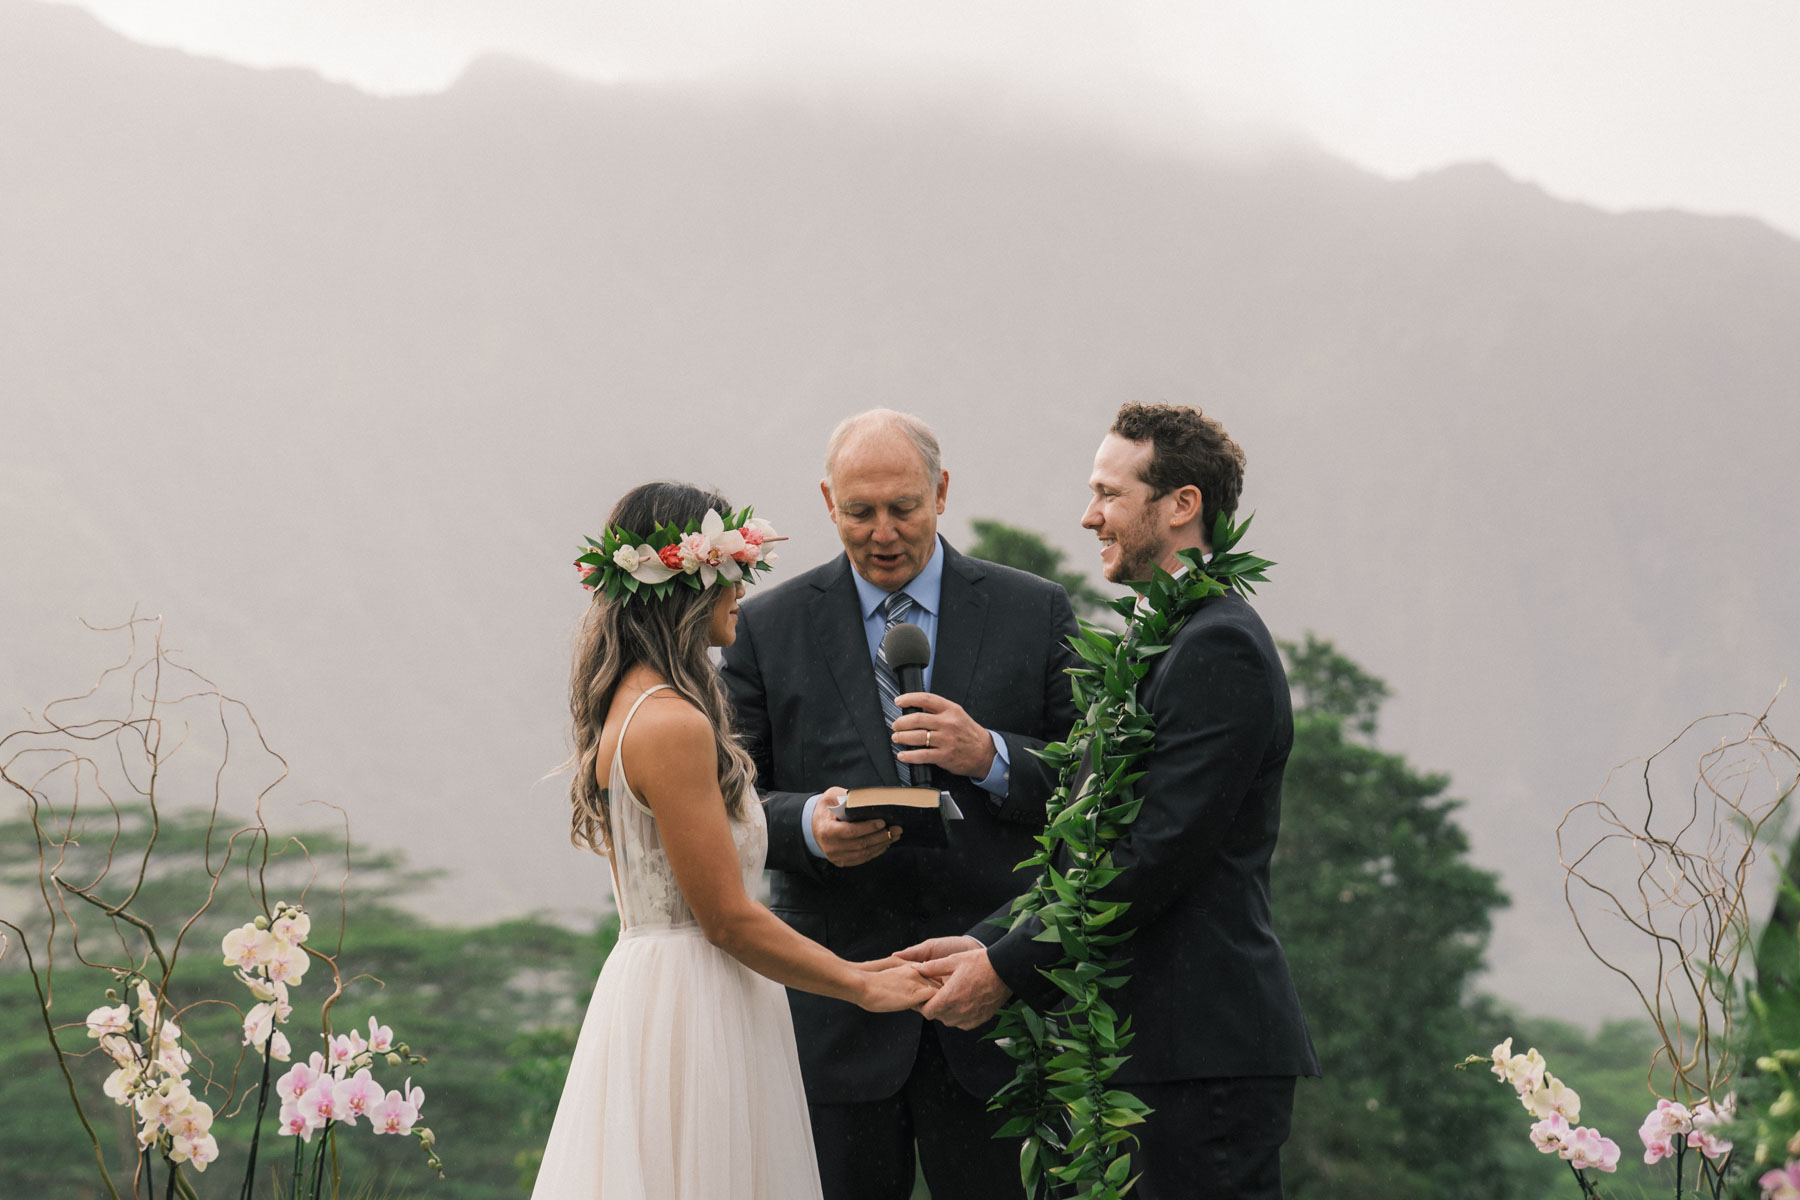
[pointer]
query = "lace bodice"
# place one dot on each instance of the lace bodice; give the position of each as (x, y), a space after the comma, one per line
(643, 882)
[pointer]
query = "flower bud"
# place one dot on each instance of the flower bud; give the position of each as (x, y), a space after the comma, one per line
(1784, 1104)
(112, 994)
(426, 1137)
(393, 1059)
(1768, 1063)
(261, 922)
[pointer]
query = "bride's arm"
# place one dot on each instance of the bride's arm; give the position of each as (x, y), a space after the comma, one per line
(671, 761)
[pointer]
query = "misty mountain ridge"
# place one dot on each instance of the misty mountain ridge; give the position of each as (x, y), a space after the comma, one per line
(336, 383)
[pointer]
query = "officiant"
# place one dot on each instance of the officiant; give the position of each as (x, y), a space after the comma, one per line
(807, 682)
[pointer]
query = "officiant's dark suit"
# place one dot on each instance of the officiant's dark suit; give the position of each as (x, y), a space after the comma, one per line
(803, 686)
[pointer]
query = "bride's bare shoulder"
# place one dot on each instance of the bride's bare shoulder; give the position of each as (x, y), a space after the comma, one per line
(668, 730)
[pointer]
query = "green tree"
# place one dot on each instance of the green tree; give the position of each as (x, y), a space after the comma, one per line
(1011, 546)
(1385, 922)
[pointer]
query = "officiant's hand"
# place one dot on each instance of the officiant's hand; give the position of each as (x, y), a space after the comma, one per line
(971, 993)
(848, 843)
(942, 734)
(937, 947)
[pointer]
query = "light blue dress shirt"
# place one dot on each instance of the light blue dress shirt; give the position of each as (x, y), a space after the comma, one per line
(927, 592)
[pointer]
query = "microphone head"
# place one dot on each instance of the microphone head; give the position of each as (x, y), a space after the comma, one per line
(906, 645)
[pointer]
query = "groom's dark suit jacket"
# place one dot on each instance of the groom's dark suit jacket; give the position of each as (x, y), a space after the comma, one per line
(803, 687)
(1209, 994)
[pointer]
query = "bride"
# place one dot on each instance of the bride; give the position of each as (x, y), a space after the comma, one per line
(684, 1083)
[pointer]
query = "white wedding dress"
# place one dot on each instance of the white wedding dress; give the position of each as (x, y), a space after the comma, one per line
(685, 1083)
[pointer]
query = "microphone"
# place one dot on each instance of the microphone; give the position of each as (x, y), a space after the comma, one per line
(908, 652)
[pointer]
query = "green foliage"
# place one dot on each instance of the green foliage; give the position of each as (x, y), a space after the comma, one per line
(459, 996)
(1768, 1042)
(1014, 547)
(1385, 922)
(1076, 1130)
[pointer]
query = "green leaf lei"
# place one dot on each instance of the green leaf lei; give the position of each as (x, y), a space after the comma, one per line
(1077, 1131)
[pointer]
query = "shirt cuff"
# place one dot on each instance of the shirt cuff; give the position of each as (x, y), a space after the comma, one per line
(806, 815)
(998, 780)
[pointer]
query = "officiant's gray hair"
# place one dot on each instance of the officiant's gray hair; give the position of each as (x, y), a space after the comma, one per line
(917, 432)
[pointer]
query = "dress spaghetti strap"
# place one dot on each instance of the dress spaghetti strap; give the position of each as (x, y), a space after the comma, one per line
(619, 746)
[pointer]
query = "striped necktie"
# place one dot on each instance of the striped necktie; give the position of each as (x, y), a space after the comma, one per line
(893, 611)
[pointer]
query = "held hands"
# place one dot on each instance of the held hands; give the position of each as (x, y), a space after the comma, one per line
(889, 985)
(969, 991)
(848, 843)
(958, 743)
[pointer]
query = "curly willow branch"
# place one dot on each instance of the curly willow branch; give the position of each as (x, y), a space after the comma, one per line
(1675, 871)
(102, 777)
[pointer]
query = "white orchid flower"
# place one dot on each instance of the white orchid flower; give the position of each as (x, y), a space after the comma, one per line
(103, 1022)
(650, 568)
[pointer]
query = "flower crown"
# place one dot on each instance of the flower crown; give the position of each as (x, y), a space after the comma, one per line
(699, 554)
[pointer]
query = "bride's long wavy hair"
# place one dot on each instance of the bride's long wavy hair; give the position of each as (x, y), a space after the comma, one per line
(668, 636)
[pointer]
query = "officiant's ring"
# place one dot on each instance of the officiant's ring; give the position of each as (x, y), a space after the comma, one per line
(928, 739)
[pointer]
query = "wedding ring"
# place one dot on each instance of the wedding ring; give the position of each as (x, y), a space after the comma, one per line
(928, 739)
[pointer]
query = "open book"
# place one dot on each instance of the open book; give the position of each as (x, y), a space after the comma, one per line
(924, 813)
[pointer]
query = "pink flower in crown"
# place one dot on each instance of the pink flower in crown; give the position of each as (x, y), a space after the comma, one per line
(695, 550)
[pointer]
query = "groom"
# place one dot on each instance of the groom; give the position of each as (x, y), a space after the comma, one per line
(803, 678)
(1219, 1033)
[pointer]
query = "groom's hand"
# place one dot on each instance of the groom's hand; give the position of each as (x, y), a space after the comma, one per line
(848, 843)
(970, 993)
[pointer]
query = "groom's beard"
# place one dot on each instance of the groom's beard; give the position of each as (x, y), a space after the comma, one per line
(1139, 550)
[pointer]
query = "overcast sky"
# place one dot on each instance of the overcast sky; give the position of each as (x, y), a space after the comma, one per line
(1620, 103)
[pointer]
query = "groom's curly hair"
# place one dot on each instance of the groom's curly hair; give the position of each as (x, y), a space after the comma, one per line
(1187, 447)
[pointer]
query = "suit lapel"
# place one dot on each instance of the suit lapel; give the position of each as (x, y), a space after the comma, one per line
(836, 615)
(962, 619)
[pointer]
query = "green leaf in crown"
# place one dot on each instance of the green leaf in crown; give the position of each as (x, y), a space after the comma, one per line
(1077, 1131)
